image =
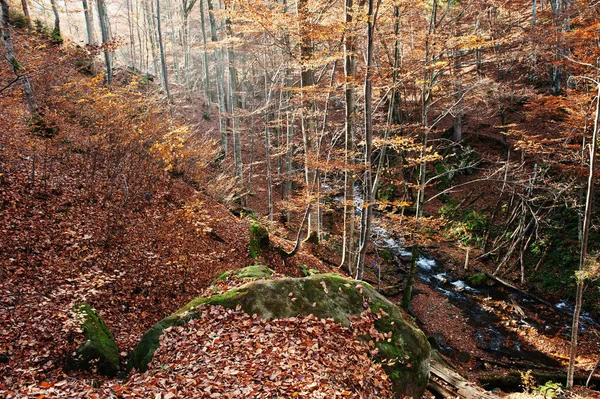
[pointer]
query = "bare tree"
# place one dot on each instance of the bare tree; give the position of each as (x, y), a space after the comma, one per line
(369, 198)
(56, 31)
(163, 62)
(89, 21)
(106, 39)
(349, 130)
(584, 239)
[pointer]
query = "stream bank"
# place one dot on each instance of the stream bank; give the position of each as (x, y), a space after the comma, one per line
(489, 329)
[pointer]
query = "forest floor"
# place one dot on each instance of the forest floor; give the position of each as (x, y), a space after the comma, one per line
(74, 229)
(430, 309)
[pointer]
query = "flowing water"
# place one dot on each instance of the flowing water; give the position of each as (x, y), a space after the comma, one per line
(484, 306)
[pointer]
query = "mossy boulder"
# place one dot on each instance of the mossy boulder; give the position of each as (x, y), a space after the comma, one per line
(405, 355)
(250, 272)
(259, 239)
(99, 350)
(478, 279)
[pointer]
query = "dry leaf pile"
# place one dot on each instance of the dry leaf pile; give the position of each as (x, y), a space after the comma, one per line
(229, 354)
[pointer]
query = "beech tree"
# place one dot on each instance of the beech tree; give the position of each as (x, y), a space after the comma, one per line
(106, 39)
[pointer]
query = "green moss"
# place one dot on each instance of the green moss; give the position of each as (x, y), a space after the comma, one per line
(99, 349)
(143, 353)
(259, 239)
(477, 279)
(250, 272)
(405, 356)
(308, 272)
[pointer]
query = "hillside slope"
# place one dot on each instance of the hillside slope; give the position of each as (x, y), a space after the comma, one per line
(90, 211)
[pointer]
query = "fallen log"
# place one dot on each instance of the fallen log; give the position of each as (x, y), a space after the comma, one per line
(512, 287)
(448, 383)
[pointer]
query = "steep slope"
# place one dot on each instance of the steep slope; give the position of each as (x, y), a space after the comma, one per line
(91, 211)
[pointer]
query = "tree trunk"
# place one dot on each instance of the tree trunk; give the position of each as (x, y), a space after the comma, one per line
(173, 40)
(350, 130)
(89, 22)
(142, 42)
(561, 26)
(151, 29)
(106, 38)
(207, 75)
(130, 11)
(11, 58)
(237, 145)
(185, 34)
(366, 215)
(426, 93)
(220, 76)
(394, 113)
(25, 8)
(289, 123)
(56, 30)
(307, 81)
(584, 245)
(163, 62)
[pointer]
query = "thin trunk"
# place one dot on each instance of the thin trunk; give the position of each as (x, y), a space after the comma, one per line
(89, 21)
(307, 81)
(131, 35)
(289, 155)
(25, 8)
(584, 245)
(561, 26)
(289, 123)
(369, 199)
(533, 12)
(151, 29)
(173, 40)
(220, 77)
(349, 130)
(207, 76)
(56, 31)
(394, 114)
(233, 102)
(268, 93)
(106, 38)
(250, 169)
(268, 149)
(163, 62)
(12, 60)
(426, 93)
(185, 34)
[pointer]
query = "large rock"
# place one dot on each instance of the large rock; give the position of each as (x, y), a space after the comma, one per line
(99, 350)
(405, 356)
(247, 273)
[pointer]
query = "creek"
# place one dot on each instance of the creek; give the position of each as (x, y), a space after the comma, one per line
(494, 312)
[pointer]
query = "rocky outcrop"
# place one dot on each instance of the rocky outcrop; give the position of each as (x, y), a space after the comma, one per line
(250, 272)
(404, 355)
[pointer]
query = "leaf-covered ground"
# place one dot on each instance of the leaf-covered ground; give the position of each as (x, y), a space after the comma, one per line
(92, 209)
(229, 354)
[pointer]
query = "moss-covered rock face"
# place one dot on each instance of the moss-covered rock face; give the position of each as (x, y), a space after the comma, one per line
(259, 239)
(99, 350)
(250, 272)
(405, 355)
